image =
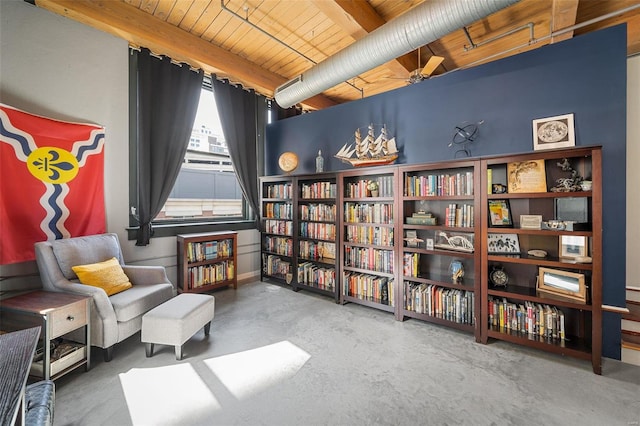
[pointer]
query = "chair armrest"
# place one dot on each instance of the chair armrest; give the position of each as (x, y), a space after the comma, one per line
(146, 275)
(101, 303)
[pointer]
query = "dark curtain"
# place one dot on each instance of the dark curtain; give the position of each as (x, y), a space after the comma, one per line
(282, 113)
(167, 102)
(241, 114)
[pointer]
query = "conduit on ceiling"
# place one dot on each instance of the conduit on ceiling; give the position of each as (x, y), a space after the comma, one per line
(423, 24)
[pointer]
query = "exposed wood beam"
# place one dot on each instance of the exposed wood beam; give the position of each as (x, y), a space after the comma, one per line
(143, 29)
(563, 15)
(359, 18)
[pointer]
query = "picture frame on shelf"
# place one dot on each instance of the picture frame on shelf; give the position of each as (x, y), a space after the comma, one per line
(530, 221)
(573, 246)
(429, 244)
(553, 132)
(526, 176)
(500, 214)
(503, 244)
(564, 284)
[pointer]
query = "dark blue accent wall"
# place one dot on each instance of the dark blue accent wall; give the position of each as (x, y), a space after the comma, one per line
(586, 76)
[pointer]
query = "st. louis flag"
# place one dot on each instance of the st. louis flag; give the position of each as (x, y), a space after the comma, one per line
(51, 182)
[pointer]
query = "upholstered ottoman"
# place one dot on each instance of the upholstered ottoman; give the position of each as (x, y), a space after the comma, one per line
(176, 321)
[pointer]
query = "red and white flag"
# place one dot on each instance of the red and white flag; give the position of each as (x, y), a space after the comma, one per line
(51, 182)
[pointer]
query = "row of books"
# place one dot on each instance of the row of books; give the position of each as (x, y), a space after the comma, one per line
(359, 189)
(318, 212)
(279, 245)
(369, 287)
(439, 185)
(368, 213)
(282, 190)
(321, 231)
(459, 216)
(439, 302)
(278, 211)
(410, 264)
(276, 226)
(274, 265)
(318, 190)
(209, 250)
(312, 275)
(318, 250)
(534, 319)
(199, 276)
(369, 258)
(377, 235)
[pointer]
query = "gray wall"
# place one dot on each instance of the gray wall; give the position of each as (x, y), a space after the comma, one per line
(58, 68)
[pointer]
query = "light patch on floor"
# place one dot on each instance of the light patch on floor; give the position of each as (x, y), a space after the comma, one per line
(247, 373)
(165, 395)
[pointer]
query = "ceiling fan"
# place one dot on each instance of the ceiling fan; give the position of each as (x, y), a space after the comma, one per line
(422, 74)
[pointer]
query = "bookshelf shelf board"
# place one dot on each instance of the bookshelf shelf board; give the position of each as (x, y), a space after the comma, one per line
(317, 200)
(571, 346)
(438, 228)
(469, 328)
(437, 197)
(369, 271)
(540, 195)
(277, 235)
(276, 254)
(375, 246)
(208, 261)
(315, 239)
(452, 253)
(441, 281)
(369, 303)
(542, 232)
(382, 225)
(553, 262)
(323, 260)
(530, 294)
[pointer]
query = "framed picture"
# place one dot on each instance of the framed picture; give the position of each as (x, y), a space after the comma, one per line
(430, 245)
(526, 176)
(503, 244)
(561, 283)
(553, 132)
(573, 246)
(500, 214)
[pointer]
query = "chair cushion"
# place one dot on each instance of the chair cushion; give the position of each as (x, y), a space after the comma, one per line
(70, 252)
(107, 275)
(139, 299)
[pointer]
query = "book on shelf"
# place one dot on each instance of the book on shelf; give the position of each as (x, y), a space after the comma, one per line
(421, 218)
(533, 319)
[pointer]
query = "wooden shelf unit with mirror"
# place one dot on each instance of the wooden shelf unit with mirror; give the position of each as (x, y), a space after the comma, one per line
(527, 311)
(277, 228)
(316, 241)
(440, 245)
(369, 229)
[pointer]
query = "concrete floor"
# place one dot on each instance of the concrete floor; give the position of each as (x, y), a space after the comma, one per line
(276, 357)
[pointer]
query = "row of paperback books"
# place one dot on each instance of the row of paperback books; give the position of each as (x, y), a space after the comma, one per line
(439, 185)
(208, 250)
(359, 189)
(369, 287)
(439, 302)
(411, 264)
(275, 266)
(459, 216)
(282, 190)
(312, 275)
(376, 235)
(318, 190)
(318, 212)
(279, 245)
(320, 231)
(369, 258)
(280, 227)
(368, 213)
(199, 276)
(318, 250)
(530, 318)
(278, 211)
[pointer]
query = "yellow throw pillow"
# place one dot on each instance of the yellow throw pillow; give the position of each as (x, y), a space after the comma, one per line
(107, 275)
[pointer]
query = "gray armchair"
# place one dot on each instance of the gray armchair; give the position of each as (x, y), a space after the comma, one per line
(113, 318)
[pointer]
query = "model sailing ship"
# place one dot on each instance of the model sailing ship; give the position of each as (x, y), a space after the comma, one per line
(370, 151)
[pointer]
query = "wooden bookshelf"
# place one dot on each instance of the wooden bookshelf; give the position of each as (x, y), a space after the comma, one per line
(207, 261)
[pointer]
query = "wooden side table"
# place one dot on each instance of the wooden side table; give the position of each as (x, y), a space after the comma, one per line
(58, 314)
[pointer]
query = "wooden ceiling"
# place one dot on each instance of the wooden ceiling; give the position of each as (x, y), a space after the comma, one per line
(264, 43)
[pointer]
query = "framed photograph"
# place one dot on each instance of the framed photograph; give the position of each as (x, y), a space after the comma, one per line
(573, 246)
(503, 244)
(556, 282)
(430, 245)
(526, 176)
(553, 132)
(500, 214)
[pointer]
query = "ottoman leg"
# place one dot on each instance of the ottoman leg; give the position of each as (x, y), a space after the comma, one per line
(148, 348)
(207, 328)
(178, 352)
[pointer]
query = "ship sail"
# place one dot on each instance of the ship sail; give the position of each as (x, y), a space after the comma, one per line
(369, 151)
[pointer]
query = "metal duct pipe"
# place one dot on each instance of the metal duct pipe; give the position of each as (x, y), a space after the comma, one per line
(421, 25)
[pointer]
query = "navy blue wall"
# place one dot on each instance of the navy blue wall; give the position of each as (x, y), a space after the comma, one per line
(585, 76)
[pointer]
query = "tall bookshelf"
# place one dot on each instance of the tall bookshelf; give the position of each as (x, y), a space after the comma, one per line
(440, 244)
(521, 312)
(277, 225)
(369, 225)
(316, 234)
(207, 261)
